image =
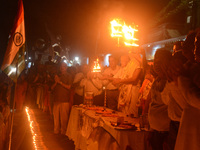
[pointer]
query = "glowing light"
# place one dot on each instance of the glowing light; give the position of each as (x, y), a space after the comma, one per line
(106, 60)
(12, 70)
(55, 45)
(29, 65)
(116, 28)
(65, 61)
(154, 50)
(76, 58)
(97, 67)
(127, 32)
(131, 44)
(87, 60)
(37, 138)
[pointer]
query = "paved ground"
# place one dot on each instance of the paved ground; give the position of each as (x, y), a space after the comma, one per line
(42, 133)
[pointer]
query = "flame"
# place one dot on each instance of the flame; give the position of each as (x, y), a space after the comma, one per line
(37, 138)
(119, 30)
(97, 67)
(129, 34)
(116, 28)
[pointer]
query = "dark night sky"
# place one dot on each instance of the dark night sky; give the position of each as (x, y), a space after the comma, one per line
(83, 25)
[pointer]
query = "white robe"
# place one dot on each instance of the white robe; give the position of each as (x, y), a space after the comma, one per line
(129, 93)
(188, 137)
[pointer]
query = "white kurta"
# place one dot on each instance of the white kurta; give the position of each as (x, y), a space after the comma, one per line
(129, 93)
(158, 111)
(189, 131)
(188, 137)
(173, 97)
(92, 85)
(78, 77)
(110, 72)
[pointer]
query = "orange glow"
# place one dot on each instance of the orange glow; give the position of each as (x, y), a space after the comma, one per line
(97, 67)
(37, 140)
(116, 28)
(129, 35)
(119, 30)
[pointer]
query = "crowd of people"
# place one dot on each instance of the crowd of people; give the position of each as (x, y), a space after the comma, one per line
(173, 110)
(167, 91)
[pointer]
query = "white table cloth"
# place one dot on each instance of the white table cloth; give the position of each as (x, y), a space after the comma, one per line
(89, 131)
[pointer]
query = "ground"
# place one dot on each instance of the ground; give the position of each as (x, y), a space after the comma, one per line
(22, 137)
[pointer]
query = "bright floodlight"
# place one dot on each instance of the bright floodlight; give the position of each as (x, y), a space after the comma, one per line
(155, 49)
(65, 61)
(76, 58)
(29, 65)
(106, 60)
(11, 71)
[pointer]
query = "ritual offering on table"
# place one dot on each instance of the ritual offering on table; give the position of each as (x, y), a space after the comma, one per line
(124, 125)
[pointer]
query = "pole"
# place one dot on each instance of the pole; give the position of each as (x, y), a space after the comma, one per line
(105, 98)
(12, 115)
(84, 95)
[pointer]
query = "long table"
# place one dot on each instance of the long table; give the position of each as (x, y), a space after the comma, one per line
(91, 131)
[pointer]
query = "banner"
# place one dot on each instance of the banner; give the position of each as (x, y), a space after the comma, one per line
(14, 56)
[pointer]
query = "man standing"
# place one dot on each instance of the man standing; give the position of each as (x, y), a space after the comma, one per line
(130, 84)
(112, 91)
(79, 91)
(61, 87)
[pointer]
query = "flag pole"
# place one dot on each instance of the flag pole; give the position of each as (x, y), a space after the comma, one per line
(13, 108)
(16, 41)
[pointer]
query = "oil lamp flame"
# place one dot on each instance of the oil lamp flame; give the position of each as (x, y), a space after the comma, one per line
(97, 67)
(116, 28)
(127, 32)
(37, 138)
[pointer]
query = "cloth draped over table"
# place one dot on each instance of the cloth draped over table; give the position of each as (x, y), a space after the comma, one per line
(90, 131)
